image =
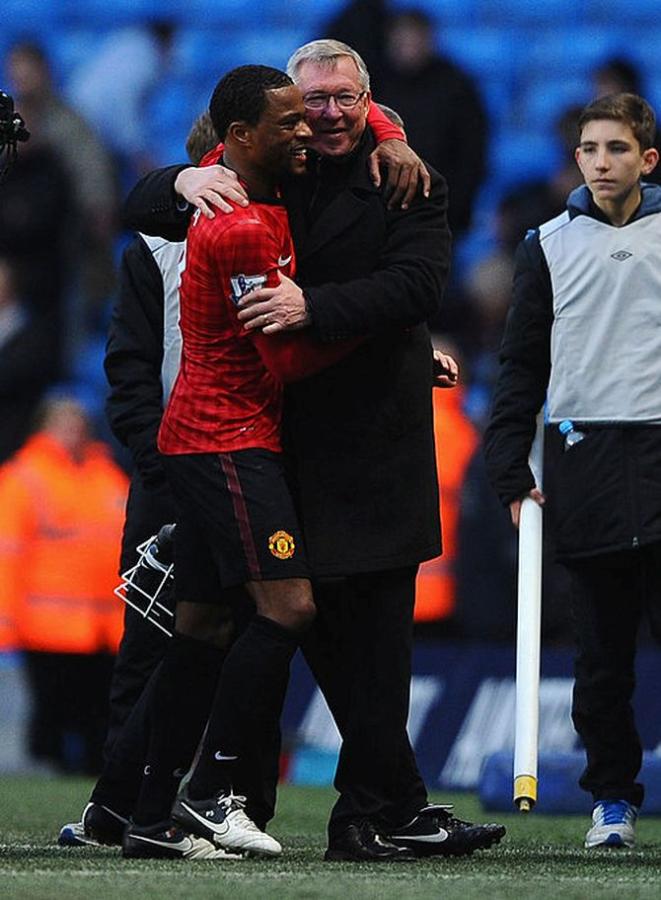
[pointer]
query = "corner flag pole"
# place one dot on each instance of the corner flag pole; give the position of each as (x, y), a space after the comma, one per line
(528, 636)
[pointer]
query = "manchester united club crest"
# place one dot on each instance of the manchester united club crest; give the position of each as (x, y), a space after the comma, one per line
(282, 545)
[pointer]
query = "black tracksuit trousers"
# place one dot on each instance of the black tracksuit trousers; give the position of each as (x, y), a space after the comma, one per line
(610, 595)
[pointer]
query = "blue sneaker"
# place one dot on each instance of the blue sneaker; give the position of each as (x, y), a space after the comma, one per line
(99, 825)
(613, 824)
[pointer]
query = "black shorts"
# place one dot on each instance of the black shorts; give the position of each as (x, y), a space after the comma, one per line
(236, 523)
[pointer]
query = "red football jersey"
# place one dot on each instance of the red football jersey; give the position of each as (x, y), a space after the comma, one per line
(225, 398)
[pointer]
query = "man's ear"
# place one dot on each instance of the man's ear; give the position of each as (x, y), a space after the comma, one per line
(241, 133)
(650, 159)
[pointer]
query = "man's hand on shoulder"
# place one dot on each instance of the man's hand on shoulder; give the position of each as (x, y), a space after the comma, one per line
(406, 172)
(209, 188)
(272, 310)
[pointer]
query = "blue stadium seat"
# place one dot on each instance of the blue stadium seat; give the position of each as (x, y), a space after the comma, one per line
(522, 12)
(68, 48)
(235, 14)
(545, 99)
(215, 51)
(27, 17)
(560, 51)
(613, 12)
(653, 94)
(484, 50)
(497, 94)
(174, 106)
(301, 14)
(253, 47)
(521, 155)
(116, 13)
(196, 51)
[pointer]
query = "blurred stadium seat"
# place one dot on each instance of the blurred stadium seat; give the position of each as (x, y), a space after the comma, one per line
(68, 48)
(545, 99)
(615, 14)
(520, 155)
(116, 13)
(523, 12)
(556, 52)
(484, 51)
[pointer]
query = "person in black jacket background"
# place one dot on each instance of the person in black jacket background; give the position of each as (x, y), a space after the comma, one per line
(360, 443)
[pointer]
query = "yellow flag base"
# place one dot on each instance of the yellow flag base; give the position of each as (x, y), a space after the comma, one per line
(525, 792)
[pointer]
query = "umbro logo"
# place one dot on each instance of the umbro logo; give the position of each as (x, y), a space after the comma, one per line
(621, 255)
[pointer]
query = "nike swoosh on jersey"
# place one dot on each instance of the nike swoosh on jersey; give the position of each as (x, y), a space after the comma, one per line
(219, 756)
(438, 838)
(184, 844)
(283, 262)
(220, 829)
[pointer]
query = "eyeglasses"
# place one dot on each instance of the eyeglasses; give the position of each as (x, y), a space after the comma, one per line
(345, 100)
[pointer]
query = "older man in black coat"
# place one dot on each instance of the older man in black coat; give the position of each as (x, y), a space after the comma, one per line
(359, 438)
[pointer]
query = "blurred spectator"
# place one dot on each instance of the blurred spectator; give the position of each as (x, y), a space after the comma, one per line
(442, 109)
(486, 561)
(88, 165)
(616, 75)
(619, 75)
(35, 223)
(488, 289)
(362, 25)
(61, 514)
(487, 285)
(456, 440)
(113, 85)
(27, 362)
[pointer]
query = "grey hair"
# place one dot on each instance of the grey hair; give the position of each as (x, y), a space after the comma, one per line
(325, 53)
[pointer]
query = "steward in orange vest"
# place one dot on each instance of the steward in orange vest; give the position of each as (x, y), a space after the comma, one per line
(456, 441)
(61, 514)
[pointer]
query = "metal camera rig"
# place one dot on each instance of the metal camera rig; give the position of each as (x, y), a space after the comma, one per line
(12, 131)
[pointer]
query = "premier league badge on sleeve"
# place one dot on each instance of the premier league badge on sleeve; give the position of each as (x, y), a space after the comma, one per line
(245, 284)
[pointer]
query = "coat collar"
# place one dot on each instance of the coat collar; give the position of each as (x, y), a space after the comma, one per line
(345, 208)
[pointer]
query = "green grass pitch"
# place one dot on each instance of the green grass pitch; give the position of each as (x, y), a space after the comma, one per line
(541, 857)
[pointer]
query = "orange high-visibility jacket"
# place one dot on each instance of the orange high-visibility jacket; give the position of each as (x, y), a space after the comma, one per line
(60, 529)
(456, 442)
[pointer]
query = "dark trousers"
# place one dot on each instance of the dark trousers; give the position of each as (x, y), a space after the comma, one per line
(610, 595)
(69, 709)
(142, 644)
(360, 653)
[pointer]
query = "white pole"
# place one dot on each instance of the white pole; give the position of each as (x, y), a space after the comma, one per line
(528, 636)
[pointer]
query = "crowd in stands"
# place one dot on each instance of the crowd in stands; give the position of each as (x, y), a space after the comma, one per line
(106, 100)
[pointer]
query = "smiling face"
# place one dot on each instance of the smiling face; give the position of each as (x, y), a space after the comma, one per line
(612, 163)
(280, 138)
(335, 130)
